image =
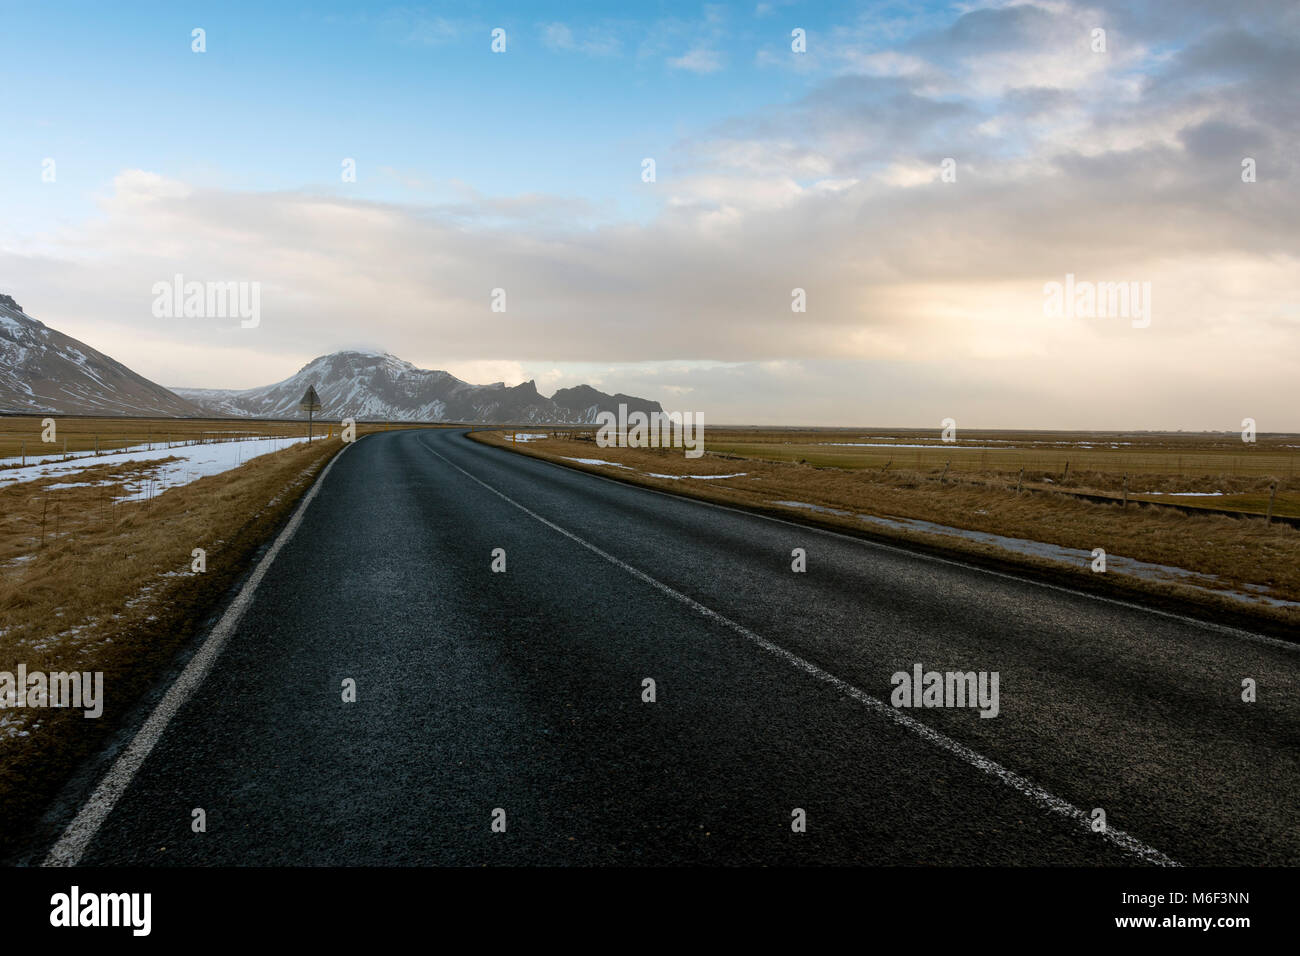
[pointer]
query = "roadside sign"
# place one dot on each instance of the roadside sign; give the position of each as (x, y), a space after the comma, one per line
(310, 403)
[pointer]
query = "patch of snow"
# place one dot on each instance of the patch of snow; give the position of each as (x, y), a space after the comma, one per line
(820, 508)
(872, 444)
(595, 461)
(189, 462)
(1054, 552)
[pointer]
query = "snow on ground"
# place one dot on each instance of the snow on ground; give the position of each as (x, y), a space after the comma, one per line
(884, 444)
(38, 459)
(192, 462)
(991, 444)
(595, 461)
(1055, 552)
(519, 436)
(821, 509)
(651, 474)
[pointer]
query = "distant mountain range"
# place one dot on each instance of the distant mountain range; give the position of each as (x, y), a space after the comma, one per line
(42, 370)
(376, 385)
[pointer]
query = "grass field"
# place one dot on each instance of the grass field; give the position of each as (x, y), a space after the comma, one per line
(1045, 453)
(1192, 470)
(836, 484)
(22, 434)
(1220, 472)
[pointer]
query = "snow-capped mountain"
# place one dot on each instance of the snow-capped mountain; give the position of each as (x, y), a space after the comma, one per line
(42, 370)
(377, 385)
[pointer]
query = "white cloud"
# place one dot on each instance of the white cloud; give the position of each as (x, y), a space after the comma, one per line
(593, 40)
(698, 60)
(922, 294)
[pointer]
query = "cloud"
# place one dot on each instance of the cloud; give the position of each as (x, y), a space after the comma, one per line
(594, 41)
(417, 28)
(947, 283)
(698, 60)
(925, 297)
(557, 36)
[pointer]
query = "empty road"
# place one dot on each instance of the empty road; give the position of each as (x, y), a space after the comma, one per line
(517, 697)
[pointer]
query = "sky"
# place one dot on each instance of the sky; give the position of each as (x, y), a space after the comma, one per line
(923, 172)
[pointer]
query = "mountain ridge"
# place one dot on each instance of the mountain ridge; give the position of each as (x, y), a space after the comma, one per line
(43, 370)
(364, 384)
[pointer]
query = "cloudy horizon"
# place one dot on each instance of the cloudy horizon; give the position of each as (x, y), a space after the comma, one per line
(922, 172)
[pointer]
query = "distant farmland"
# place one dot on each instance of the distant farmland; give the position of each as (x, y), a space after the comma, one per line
(1039, 453)
(1209, 471)
(21, 434)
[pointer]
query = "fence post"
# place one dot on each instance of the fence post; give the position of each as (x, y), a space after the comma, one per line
(1125, 505)
(1271, 495)
(1020, 480)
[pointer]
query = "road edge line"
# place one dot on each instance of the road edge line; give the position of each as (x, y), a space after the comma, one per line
(76, 837)
(1228, 630)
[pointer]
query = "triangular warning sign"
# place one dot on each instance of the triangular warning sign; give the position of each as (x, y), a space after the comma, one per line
(310, 401)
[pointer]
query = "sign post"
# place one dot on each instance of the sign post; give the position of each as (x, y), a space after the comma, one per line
(310, 403)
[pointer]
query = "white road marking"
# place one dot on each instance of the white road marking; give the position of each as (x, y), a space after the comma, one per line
(1037, 794)
(1228, 629)
(76, 838)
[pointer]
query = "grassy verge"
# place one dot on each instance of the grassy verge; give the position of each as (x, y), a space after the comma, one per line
(1230, 554)
(111, 588)
(82, 434)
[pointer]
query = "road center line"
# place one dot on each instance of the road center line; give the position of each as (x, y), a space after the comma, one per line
(1225, 629)
(1012, 779)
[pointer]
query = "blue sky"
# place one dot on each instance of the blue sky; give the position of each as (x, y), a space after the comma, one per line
(285, 91)
(775, 171)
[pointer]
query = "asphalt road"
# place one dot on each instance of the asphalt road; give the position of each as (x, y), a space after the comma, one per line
(523, 691)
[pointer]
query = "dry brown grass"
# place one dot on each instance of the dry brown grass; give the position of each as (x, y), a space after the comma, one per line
(1153, 465)
(1086, 462)
(1236, 551)
(1006, 452)
(22, 433)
